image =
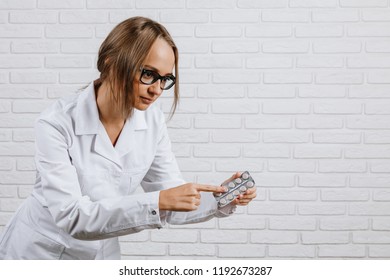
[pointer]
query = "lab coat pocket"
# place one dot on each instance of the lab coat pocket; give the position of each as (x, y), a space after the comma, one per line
(101, 184)
(27, 243)
(135, 177)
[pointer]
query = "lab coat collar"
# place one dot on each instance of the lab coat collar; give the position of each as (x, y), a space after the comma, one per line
(88, 122)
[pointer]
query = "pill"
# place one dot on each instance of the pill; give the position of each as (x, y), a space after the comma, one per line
(250, 184)
(236, 192)
(243, 188)
(245, 176)
(223, 201)
(230, 197)
(231, 185)
(238, 180)
(217, 194)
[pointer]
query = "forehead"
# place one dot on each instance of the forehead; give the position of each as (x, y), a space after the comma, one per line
(161, 57)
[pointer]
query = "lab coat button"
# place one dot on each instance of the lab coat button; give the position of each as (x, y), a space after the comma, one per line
(154, 212)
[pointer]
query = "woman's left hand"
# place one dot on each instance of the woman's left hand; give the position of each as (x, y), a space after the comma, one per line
(245, 198)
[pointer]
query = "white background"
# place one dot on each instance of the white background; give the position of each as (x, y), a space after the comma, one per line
(297, 92)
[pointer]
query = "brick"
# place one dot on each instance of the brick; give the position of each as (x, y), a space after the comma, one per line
(322, 209)
(381, 224)
(284, 16)
(240, 251)
(21, 31)
(342, 166)
(219, 150)
(217, 122)
(210, 4)
(285, 46)
(339, 78)
(5, 135)
(335, 16)
(276, 180)
(234, 107)
(235, 16)
(312, 4)
(291, 165)
(8, 192)
(369, 30)
(269, 30)
(231, 136)
(4, 47)
(211, 224)
(377, 108)
(25, 191)
(337, 46)
(378, 46)
(187, 107)
(325, 237)
(15, 121)
(218, 31)
(288, 78)
(261, 4)
(84, 17)
(15, 178)
(363, 3)
(376, 15)
(317, 151)
(337, 251)
(221, 91)
(379, 181)
(291, 251)
(377, 137)
(183, 123)
(371, 237)
(285, 107)
(21, 106)
(188, 46)
(33, 77)
(292, 223)
(328, 181)
(379, 77)
(194, 77)
(317, 61)
(142, 236)
(268, 121)
(274, 237)
(80, 46)
(10, 204)
(5, 106)
(25, 164)
(33, 17)
(20, 62)
(236, 165)
(381, 166)
(184, 17)
(20, 92)
(319, 30)
(68, 31)
(191, 250)
(118, 16)
(320, 122)
(195, 165)
(264, 62)
(286, 137)
(220, 61)
(379, 251)
(368, 62)
(36, 46)
(68, 62)
(266, 151)
(242, 222)
(271, 208)
(78, 77)
(223, 236)
(181, 150)
(60, 4)
(174, 235)
(235, 46)
(5, 218)
(344, 223)
(292, 195)
(21, 4)
(336, 137)
(164, 4)
(368, 122)
(236, 77)
(347, 107)
(6, 164)
(184, 136)
(143, 249)
(271, 91)
(369, 209)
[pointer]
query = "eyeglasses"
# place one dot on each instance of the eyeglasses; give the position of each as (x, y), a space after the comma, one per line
(149, 77)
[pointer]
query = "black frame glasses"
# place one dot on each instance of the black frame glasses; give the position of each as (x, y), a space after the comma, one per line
(149, 77)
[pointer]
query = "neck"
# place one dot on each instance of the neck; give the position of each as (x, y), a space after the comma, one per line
(108, 112)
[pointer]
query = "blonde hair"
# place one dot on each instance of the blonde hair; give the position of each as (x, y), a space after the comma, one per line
(122, 54)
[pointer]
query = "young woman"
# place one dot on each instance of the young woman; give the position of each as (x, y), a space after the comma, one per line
(93, 150)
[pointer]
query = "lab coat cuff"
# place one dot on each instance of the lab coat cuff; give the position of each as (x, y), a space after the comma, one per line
(226, 210)
(157, 215)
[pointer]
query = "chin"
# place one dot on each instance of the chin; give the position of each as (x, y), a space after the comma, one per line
(141, 107)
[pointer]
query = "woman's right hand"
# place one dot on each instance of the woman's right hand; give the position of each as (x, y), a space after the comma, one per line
(185, 197)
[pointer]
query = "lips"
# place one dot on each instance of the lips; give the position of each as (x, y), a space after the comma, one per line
(146, 100)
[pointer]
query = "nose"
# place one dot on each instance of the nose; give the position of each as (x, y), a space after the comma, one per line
(155, 88)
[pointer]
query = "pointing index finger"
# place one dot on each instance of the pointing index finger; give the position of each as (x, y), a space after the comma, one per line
(210, 188)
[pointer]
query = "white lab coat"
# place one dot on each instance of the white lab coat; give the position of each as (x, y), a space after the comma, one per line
(83, 198)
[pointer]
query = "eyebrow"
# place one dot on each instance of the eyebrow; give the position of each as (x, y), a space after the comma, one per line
(155, 69)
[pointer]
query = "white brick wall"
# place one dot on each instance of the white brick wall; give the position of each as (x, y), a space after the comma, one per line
(295, 91)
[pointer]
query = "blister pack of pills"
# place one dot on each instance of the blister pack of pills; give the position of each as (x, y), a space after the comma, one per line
(235, 188)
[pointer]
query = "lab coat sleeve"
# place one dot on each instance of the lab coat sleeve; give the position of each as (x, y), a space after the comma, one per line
(75, 213)
(164, 173)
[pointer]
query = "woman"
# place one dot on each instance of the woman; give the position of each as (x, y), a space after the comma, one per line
(94, 148)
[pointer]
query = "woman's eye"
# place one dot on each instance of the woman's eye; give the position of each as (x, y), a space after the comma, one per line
(149, 74)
